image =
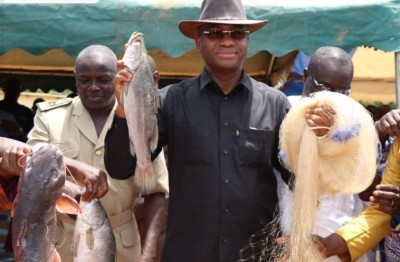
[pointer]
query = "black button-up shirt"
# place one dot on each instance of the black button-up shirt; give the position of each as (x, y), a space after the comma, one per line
(222, 159)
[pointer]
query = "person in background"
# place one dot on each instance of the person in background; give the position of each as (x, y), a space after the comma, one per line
(78, 127)
(330, 69)
(12, 91)
(72, 95)
(9, 127)
(34, 104)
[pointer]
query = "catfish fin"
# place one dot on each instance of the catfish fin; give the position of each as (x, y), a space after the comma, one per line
(68, 205)
(55, 256)
(18, 248)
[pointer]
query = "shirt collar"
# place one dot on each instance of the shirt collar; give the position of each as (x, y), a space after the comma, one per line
(205, 80)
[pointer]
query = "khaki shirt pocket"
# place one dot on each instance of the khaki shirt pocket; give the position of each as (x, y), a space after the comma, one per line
(129, 234)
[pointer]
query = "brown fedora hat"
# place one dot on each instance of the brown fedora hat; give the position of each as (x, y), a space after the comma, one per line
(220, 12)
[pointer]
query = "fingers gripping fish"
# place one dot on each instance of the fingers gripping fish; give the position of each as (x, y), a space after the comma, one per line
(39, 195)
(140, 105)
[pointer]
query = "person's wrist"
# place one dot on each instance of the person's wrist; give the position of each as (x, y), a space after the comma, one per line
(335, 245)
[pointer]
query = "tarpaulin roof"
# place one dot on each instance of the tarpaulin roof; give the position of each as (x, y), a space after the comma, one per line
(45, 38)
(293, 25)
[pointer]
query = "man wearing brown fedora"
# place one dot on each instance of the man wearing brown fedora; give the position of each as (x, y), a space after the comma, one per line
(221, 129)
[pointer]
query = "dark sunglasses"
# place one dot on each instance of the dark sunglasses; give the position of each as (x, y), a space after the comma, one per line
(217, 34)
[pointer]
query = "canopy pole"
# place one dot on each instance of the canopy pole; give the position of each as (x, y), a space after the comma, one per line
(397, 69)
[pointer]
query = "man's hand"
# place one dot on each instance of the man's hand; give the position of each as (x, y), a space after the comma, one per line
(389, 124)
(332, 245)
(94, 180)
(387, 198)
(320, 119)
(122, 76)
(329, 246)
(13, 160)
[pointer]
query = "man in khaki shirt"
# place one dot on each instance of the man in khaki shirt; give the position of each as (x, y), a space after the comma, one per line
(78, 127)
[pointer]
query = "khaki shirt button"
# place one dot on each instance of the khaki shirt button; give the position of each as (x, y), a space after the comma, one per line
(98, 152)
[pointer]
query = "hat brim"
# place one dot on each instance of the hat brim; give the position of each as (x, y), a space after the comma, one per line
(190, 27)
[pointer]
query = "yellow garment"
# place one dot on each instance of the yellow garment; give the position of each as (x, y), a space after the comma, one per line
(372, 225)
(69, 126)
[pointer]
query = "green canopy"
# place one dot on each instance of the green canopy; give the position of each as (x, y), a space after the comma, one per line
(39, 42)
(293, 25)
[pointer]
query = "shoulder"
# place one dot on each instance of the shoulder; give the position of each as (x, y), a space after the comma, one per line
(177, 89)
(60, 103)
(266, 89)
(266, 92)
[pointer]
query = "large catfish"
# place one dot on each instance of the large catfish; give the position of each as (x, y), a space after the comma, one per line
(140, 105)
(39, 192)
(93, 236)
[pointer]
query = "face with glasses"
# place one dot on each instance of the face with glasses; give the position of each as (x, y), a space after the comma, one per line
(223, 47)
(313, 84)
(94, 82)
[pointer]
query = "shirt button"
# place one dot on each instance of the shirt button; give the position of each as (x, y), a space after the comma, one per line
(226, 180)
(225, 151)
(225, 240)
(226, 210)
(226, 98)
(226, 123)
(99, 152)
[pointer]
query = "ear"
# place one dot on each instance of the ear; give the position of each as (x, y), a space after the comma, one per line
(156, 77)
(198, 42)
(305, 74)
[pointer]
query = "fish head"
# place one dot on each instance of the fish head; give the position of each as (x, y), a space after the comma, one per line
(136, 53)
(93, 213)
(136, 38)
(45, 173)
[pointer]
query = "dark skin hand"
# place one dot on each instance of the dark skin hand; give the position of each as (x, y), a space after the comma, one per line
(320, 119)
(329, 246)
(387, 198)
(94, 180)
(13, 160)
(389, 124)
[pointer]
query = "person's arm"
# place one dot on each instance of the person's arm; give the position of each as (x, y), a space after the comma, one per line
(117, 157)
(94, 180)
(371, 225)
(13, 157)
(389, 124)
(154, 222)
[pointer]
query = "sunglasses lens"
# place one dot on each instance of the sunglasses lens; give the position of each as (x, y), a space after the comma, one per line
(219, 34)
(238, 34)
(215, 34)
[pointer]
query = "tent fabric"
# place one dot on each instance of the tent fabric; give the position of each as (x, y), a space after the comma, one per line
(293, 25)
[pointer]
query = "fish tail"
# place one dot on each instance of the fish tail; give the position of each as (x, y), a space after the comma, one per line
(145, 179)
